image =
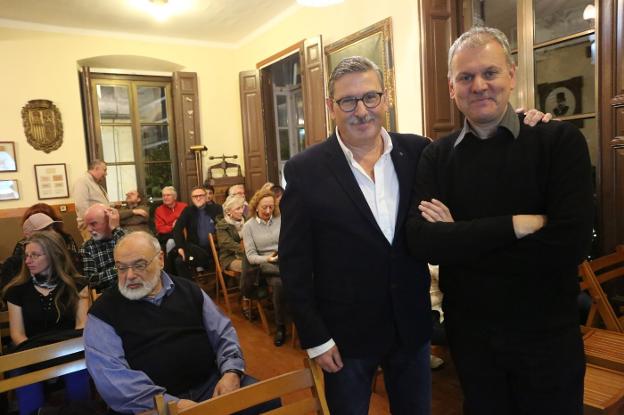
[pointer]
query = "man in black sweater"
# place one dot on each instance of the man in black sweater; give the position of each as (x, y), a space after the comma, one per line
(506, 210)
(191, 233)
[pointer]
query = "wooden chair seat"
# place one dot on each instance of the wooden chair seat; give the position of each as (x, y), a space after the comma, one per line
(40, 355)
(309, 378)
(604, 391)
(605, 348)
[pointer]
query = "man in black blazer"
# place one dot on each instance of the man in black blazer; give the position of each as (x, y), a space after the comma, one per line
(358, 299)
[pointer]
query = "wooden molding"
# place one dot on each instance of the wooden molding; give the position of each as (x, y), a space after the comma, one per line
(18, 212)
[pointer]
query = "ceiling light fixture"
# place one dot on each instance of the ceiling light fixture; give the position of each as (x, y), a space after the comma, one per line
(318, 3)
(161, 10)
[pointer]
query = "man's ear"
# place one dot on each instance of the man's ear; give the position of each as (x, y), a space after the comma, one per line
(329, 102)
(451, 88)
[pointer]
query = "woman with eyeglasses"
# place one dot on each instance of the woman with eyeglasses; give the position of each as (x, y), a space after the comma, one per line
(47, 296)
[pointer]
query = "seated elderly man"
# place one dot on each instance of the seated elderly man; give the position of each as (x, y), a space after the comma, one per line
(98, 266)
(135, 215)
(191, 233)
(166, 216)
(176, 341)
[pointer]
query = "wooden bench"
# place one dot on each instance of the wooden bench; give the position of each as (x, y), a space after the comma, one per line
(310, 377)
(40, 355)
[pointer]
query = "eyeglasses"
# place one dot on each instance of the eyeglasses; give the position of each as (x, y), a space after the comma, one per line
(198, 196)
(370, 100)
(139, 266)
(33, 255)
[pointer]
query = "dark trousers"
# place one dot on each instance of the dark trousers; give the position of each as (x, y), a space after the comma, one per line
(517, 373)
(204, 392)
(196, 256)
(406, 374)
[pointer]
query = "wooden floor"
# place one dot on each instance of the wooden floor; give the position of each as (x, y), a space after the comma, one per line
(264, 360)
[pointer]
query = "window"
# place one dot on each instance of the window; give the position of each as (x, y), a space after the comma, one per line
(135, 134)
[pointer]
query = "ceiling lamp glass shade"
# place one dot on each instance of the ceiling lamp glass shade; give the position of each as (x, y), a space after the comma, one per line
(318, 3)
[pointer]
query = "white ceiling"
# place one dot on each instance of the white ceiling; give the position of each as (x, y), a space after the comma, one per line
(226, 22)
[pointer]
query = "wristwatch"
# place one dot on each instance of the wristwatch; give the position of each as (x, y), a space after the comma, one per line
(240, 373)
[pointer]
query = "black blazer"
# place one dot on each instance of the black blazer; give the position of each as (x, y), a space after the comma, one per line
(342, 278)
(189, 220)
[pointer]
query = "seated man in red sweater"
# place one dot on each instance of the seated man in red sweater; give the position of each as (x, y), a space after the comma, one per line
(166, 215)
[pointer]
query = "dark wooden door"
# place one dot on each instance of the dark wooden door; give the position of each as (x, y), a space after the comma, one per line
(313, 80)
(611, 122)
(440, 27)
(253, 130)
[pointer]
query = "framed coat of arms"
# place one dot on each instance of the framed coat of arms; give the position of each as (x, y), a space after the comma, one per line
(42, 125)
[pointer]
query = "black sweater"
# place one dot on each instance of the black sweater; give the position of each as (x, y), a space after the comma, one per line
(486, 274)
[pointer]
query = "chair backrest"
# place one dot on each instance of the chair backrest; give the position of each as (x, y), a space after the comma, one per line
(4, 328)
(40, 355)
(310, 377)
(594, 273)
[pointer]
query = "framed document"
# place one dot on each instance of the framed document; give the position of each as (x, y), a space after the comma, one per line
(9, 190)
(7, 156)
(51, 181)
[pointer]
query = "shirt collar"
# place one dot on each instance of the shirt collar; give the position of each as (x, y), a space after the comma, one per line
(264, 222)
(167, 288)
(510, 122)
(387, 143)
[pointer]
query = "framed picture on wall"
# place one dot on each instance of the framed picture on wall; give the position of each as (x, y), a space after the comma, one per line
(7, 156)
(9, 190)
(375, 43)
(51, 181)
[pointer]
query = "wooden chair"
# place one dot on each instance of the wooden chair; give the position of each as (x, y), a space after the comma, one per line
(595, 273)
(220, 273)
(40, 355)
(604, 348)
(604, 391)
(310, 377)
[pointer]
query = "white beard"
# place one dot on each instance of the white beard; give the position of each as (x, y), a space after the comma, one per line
(138, 293)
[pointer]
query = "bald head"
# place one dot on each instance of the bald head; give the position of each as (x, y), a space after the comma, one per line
(138, 239)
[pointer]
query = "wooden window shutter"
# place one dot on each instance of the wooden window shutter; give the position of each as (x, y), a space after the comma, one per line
(253, 130)
(186, 116)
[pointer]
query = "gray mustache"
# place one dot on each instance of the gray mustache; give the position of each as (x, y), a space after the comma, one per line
(355, 120)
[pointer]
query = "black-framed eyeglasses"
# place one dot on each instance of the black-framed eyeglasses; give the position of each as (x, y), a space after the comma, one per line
(139, 266)
(198, 196)
(370, 100)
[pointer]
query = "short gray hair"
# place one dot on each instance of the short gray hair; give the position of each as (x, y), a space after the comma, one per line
(170, 189)
(353, 64)
(479, 36)
(96, 162)
(232, 202)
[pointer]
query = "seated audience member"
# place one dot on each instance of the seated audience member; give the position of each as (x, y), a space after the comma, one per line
(239, 190)
(229, 231)
(46, 297)
(260, 237)
(166, 215)
(135, 215)
(438, 337)
(97, 253)
(38, 217)
(278, 191)
(210, 194)
(191, 233)
(177, 341)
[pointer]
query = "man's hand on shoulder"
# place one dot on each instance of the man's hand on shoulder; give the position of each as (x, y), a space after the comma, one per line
(229, 382)
(532, 117)
(140, 212)
(527, 224)
(330, 361)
